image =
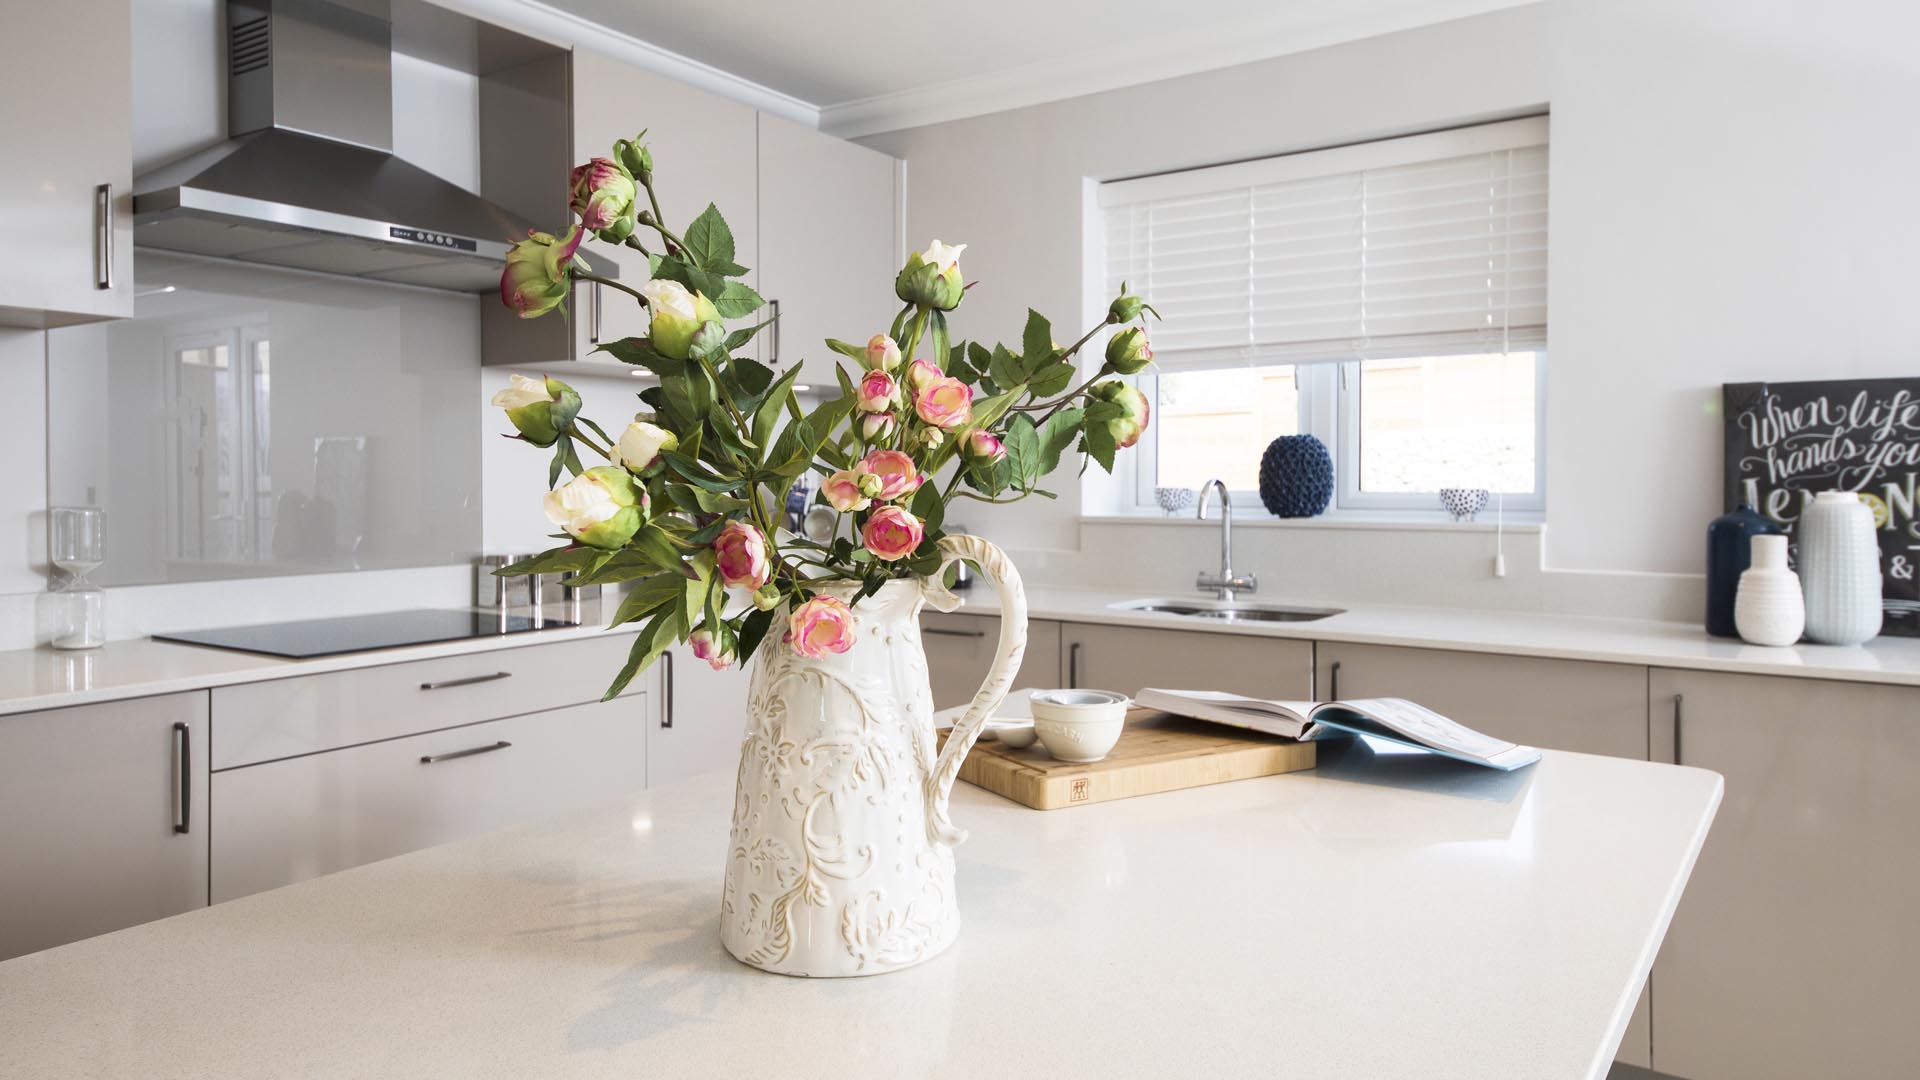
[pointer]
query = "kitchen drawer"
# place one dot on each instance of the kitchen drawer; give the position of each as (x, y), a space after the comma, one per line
(264, 721)
(960, 649)
(286, 821)
(1130, 658)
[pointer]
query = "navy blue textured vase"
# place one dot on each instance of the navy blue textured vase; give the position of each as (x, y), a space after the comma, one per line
(1729, 551)
(1296, 476)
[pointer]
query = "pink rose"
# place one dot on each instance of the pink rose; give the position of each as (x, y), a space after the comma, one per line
(898, 476)
(946, 403)
(923, 373)
(842, 491)
(891, 534)
(740, 552)
(883, 354)
(877, 392)
(717, 655)
(820, 626)
(877, 426)
(982, 446)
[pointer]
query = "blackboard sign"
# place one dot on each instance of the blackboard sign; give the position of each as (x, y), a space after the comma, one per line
(1786, 441)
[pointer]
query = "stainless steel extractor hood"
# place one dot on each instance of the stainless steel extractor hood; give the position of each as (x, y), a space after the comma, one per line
(309, 179)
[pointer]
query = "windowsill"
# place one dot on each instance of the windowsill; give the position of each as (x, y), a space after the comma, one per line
(1516, 521)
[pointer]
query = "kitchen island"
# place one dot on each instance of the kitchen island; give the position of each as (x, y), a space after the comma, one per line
(1386, 915)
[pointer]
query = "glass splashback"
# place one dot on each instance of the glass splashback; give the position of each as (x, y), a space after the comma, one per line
(250, 421)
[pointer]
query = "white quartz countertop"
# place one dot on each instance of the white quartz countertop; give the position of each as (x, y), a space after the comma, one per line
(47, 678)
(1893, 660)
(1387, 915)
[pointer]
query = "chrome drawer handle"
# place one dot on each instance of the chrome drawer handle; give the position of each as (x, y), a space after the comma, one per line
(468, 681)
(103, 237)
(428, 759)
(942, 631)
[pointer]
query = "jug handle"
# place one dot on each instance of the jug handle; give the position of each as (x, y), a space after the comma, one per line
(997, 568)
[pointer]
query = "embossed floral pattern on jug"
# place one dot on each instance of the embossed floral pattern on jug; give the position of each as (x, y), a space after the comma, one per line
(840, 860)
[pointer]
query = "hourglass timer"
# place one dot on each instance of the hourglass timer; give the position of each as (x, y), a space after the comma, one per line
(80, 607)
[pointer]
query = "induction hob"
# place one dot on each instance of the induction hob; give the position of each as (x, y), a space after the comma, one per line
(360, 633)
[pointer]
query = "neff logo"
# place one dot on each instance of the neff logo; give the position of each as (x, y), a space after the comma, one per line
(435, 239)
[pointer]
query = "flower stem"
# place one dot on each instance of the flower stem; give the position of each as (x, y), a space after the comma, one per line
(635, 293)
(579, 436)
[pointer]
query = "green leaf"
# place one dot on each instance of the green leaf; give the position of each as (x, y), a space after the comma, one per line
(709, 241)
(1056, 434)
(768, 412)
(647, 647)
(639, 352)
(1098, 443)
(697, 474)
(942, 341)
(929, 507)
(1102, 411)
(646, 597)
(552, 561)
(623, 565)
(740, 337)
(753, 376)
(736, 301)
(1051, 379)
(1004, 367)
(1036, 343)
(653, 542)
(857, 352)
(751, 632)
(1023, 450)
(558, 462)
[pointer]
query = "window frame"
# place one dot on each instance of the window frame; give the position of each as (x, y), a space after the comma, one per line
(1329, 409)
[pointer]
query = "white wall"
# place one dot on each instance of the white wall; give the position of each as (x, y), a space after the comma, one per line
(1731, 199)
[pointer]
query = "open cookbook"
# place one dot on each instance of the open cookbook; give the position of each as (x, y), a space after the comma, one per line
(1394, 719)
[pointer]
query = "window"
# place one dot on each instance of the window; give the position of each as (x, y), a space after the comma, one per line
(1388, 297)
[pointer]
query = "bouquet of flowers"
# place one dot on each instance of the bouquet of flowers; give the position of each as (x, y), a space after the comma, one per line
(684, 503)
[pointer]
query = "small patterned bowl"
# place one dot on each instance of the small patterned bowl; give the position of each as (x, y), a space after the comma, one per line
(1463, 503)
(1173, 499)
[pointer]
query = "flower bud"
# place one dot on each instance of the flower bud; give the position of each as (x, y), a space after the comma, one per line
(715, 649)
(842, 491)
(877, 392)
(767, 597)
(931, 278)
(877, 426)
(539, 409)
(870, 485)
(600, 508)
(641, 444)
(740, 554)
(1127, 307)
(923, 373)
(603, 192)
(1125, 428)
(1128, 352)
(637, 159)
(898, 475)
(882, 354)
(983, 447)
(538, 273)
(678, 314)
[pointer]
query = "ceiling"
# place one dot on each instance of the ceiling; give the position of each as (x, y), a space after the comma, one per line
(868, 67)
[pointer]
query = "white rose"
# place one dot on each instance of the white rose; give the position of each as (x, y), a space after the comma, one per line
(580, 503)
(641, 443)
(669, 298)
(944, 256)
(522, 391)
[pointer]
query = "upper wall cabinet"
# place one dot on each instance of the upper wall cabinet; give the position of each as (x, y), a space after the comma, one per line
(67, 170)
(829, 246)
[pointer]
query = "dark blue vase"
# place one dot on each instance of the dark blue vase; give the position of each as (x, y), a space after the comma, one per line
(1729, 551)
(1296, 476)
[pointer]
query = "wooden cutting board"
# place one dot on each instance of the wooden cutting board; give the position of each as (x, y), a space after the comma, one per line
(1156, 752)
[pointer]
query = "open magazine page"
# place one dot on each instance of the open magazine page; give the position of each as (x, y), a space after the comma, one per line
(1285, 718)
(1402, 720)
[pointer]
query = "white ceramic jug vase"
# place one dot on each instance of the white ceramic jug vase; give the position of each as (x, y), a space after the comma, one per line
(1840, 569)
(840, 860)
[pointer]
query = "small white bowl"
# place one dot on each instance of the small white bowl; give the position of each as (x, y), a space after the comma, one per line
(1079, 726)
(1014, 734)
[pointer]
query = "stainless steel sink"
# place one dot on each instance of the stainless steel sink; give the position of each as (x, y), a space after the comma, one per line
(1228, 612)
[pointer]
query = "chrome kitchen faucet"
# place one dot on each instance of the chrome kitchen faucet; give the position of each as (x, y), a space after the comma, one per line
(1224, 584)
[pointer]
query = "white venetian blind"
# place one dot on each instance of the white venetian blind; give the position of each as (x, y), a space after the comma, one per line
(1423, 245)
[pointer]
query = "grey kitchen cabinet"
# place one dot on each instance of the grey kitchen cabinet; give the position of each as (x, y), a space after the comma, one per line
(1589, 707)
(1128, 658)
(67, 174)
(961, 647)
(284, 821)
(829, 243)
(1592, 708)
(1793, 951)
(699, 718)
(107, 818)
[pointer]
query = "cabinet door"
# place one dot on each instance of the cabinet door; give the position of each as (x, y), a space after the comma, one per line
(67, 175)
(1794, 948)
(828, 243)
(289, 820)
(700, 721)
(106, 808)
(960, 648)
(1127, 658)
(704, 151)
(1591, 708)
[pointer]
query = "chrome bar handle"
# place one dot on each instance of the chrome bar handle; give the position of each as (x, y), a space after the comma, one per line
(596, 301)
(1678, 716)
(429, 759)
(103, 237)
(1073, 666)
(666, 689)
(447, 684)
(942, 631)
(1333, 681)
(184, 822)
(774, 360)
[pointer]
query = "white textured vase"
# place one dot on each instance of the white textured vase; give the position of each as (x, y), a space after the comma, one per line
(840, 860)
(1840, 569)
(1767, 609)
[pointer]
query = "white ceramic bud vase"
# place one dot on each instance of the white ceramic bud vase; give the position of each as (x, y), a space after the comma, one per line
(840, 860)
(1768, 609)
(1840, 569)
